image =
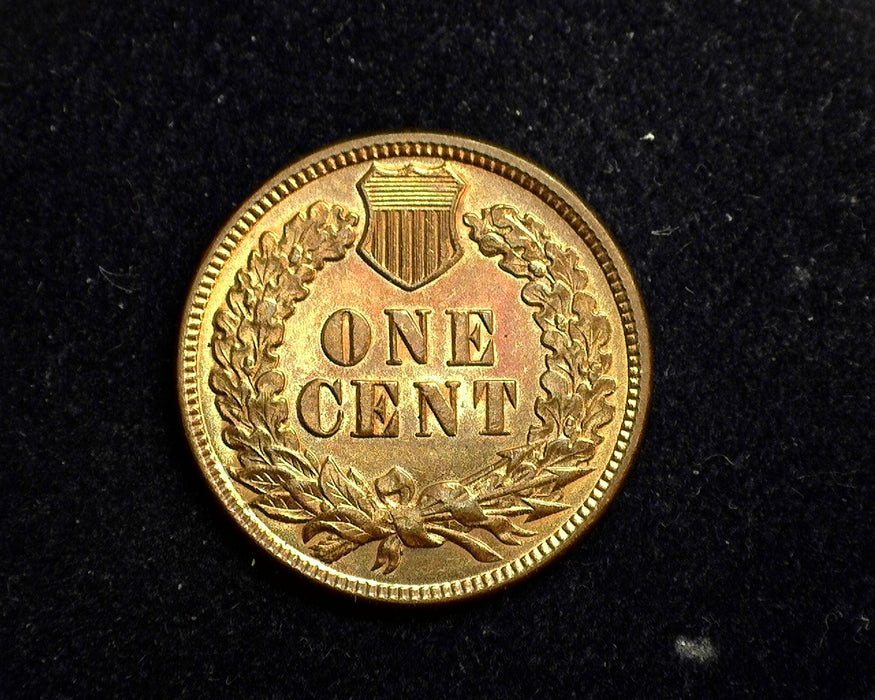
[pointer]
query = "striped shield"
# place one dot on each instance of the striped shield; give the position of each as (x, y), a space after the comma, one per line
(410, 234)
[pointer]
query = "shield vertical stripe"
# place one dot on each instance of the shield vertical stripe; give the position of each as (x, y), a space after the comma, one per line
(405, 244)
(429, 246)
(416, 245)
(377, 245)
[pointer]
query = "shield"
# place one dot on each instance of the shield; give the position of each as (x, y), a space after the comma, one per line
(410, 232)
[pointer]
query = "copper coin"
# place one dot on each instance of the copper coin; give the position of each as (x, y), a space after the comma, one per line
(414, 367)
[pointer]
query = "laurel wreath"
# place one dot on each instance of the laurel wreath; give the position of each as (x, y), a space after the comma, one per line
(338, 509)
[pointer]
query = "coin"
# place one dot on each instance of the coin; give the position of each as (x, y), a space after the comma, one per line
(414, 367)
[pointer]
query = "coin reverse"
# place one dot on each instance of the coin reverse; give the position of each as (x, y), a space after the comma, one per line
(414, 367)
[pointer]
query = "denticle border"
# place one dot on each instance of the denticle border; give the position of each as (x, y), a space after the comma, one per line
(408, 593)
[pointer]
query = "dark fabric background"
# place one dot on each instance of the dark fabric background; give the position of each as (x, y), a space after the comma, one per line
(738, 559)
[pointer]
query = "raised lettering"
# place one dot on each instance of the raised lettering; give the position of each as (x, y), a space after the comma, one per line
(414, 335)
(376, 414)
(346, 337)
(443, 409)
(495, 391)
(470, 331)
(310, 406)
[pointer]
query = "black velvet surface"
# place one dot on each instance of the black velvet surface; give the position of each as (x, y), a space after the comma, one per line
(729, 147)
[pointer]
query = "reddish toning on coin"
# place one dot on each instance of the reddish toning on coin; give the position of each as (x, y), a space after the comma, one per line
(414, 367)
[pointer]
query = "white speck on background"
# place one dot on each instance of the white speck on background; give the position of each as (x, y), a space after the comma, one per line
(701, 649)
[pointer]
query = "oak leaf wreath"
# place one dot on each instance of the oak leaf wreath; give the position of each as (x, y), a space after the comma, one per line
(339, 510)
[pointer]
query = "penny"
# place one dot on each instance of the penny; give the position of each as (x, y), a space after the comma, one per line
(414, 367)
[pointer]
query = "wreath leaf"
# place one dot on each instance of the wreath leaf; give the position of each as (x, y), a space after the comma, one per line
(476, 548)
(345, 488)
(282, 506)
(264, 478)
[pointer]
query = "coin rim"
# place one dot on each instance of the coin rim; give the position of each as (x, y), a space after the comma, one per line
(311, 168)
